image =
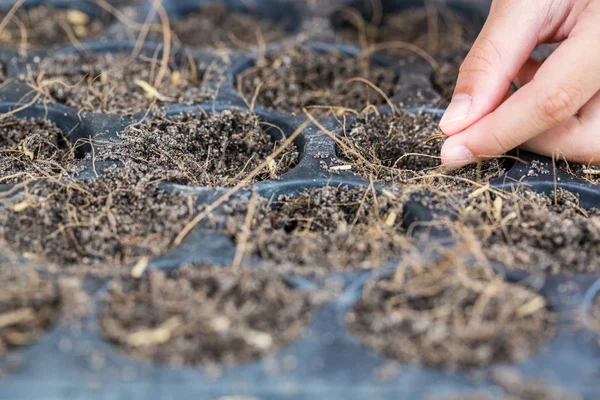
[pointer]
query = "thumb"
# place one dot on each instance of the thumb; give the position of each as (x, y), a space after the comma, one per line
(503, 46)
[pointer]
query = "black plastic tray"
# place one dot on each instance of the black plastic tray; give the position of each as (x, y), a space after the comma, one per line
(329, 363)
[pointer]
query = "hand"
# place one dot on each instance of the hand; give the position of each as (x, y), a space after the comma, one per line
(557, 107)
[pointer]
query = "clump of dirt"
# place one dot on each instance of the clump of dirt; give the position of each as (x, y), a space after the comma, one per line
(444, 78)
(322, 229)
(450, 314)
(204, 315)
(31, 149)
(219, 27)
(405, 147)
(323, 82)
(120, 83)
(103, 223)
(432, 29)
(535, 232)
(49, 26)
(203, 150)
(29, 305)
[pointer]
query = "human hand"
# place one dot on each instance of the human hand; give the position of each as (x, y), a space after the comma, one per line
(557, 106)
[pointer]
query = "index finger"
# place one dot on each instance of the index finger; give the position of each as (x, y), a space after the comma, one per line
(562, 85)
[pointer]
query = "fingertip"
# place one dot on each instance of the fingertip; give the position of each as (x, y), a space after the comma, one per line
(456, 114)
(456, 155)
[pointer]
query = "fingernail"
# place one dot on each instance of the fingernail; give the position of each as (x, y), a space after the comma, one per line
(457, 110)
(457, 156)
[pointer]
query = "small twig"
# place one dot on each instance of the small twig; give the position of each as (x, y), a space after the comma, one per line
(242, 241)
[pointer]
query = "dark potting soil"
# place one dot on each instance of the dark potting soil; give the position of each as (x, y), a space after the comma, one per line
(450, 314)
(405, 147)
(119, 83)
(434, 30)
(48, 26)
(219, 27)
(588, 173)
(320, 230)
(445, 76)
(31, 149)
(29, 305)
(204, 315)
(103, 223)
(535, 232)
(320, 81)
(203, 150)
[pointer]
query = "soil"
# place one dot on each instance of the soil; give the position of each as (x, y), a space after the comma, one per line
(320, 230)
(29, 305)
(49, 26)
(96, 225)
(202, 150)
(203, 315)
(588, 173)
(450, 314)
(119, 83)
(216, 26)
(417, 26)
(404, 148)
(298, 77)
(445, 77)
(532, 232)
(31, 149)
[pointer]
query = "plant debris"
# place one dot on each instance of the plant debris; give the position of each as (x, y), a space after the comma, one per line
(29, 305)
(119, 83)
(450, 314)
(32, 149)
(535, 232)
(328, 228)
(43, 26)
(323, 82)
(203, 150)
(205, 315)
(101, 223)
(405, 148)
(219, 27)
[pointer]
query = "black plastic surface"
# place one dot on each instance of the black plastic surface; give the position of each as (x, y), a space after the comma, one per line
(327, 363)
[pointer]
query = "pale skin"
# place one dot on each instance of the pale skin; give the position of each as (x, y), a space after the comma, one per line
(555, 112)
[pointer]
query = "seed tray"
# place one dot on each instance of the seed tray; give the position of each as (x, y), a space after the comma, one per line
(327, 362)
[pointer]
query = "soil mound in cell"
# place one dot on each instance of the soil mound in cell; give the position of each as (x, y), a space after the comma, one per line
(99, 223)
(323, 82)
(405, 147)
(29, 305)
(535, 232)
(218, 27)
(445, 76)
(49, 26)
(118, 83)
(203, 315)
(31, 149)
(321, 229)
(450, 314)
(432, 29)
(202, 150)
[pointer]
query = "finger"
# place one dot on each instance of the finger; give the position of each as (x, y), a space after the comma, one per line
(575, 140)
(503, 46)
(527, 72)
(559, 89)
